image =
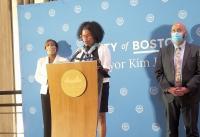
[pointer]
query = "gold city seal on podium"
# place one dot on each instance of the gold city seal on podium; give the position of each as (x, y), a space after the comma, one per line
(73, 83)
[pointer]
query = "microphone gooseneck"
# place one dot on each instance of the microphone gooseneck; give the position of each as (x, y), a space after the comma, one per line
(75, 54)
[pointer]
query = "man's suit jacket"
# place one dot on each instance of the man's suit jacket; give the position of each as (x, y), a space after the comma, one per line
(165, 72)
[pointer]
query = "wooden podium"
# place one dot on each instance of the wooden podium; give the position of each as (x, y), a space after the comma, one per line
(73, 116)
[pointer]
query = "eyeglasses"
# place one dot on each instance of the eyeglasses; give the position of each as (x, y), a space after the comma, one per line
(86, 36)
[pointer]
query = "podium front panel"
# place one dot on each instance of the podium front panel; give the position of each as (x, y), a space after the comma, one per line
(73, 116)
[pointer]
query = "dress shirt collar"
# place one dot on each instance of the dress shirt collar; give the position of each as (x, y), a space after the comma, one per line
(182, 46)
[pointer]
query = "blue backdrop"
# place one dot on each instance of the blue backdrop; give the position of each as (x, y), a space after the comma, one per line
(134, 32)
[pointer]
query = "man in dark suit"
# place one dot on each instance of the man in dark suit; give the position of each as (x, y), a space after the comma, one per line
(178, 73)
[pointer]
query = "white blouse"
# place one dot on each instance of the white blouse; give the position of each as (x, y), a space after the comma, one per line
(41, 71)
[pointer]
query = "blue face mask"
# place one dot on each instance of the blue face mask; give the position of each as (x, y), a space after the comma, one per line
(176, 37)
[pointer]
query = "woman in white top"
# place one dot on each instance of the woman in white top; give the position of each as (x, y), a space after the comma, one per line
(51, 48)
(91, 33)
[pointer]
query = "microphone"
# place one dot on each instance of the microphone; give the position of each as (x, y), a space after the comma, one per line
(92, 48)
(75, 54)
(88, 52)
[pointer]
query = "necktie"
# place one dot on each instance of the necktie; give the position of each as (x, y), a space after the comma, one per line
(178, 67)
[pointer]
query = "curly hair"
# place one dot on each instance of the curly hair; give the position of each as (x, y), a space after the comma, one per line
(95, 29)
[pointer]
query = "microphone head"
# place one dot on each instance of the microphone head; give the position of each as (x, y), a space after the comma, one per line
(93, 48)
(75, 54)
(78, 50)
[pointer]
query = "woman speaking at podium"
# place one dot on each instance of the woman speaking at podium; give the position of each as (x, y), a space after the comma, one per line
(91, 33)
(51, 48)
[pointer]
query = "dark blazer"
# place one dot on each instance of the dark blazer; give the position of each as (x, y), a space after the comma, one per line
(165, 72)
